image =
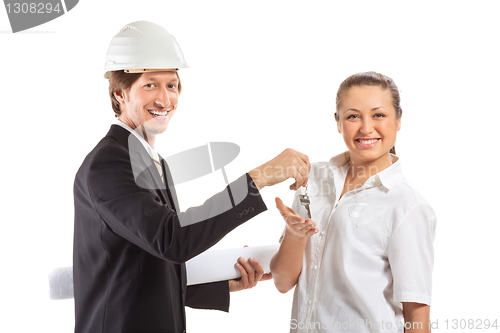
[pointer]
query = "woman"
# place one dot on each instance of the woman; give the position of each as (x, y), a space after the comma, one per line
(366, 261)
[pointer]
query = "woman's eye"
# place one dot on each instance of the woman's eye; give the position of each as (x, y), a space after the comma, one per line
(379, 115)
(172, 86)
(352, 116)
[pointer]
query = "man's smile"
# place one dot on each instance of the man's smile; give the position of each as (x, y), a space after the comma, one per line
(157, 113)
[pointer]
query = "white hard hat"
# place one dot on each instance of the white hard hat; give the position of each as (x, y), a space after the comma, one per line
(141, 46)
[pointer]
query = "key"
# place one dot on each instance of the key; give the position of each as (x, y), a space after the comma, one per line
(304, 201)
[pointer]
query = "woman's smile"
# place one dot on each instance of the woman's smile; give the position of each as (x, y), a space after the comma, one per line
(367, 143)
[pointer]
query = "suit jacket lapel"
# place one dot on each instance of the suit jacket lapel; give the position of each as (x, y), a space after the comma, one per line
(145, 173)
(175, 203)
(170, 190)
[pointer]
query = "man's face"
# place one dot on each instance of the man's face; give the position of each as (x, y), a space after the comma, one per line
(150, 103)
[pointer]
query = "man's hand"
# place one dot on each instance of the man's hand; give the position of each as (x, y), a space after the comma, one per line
(296, 225)
(288, 164)
(249, 276)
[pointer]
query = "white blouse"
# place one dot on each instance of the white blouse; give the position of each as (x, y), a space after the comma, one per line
(374, 250)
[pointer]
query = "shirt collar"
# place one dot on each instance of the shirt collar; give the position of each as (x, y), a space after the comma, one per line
(138, 135)
(390, 176)
(387, 177)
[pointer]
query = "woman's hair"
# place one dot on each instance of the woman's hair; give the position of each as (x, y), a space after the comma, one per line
(121, 81)
(370, 79)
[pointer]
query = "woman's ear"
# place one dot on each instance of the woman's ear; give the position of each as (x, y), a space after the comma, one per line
(339, 128)
(399, 123)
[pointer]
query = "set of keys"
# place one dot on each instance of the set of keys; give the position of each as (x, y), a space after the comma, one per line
(305, 201)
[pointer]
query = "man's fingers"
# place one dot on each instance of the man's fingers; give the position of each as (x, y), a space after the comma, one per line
(244, 276)
(299, 180)
(249, 270)
(259, 271)
(305, 159)
(303, 168)
(301, 175)
(267, 276)
(288, 164)
(256, 265)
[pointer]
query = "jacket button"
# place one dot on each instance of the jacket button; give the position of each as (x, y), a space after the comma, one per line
(239, 216)
(250, 209)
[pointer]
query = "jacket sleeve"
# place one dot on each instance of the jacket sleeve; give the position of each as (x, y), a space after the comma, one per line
(214, 296)
(137, 213)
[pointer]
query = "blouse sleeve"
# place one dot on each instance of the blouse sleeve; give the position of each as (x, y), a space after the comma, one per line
(411, 255)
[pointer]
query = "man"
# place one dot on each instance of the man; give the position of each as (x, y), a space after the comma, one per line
(130, 240)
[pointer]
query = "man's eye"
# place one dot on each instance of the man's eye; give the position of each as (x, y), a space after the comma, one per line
(172, 86)
(150, 85)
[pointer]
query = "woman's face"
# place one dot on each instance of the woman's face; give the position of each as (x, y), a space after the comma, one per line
(368, 123)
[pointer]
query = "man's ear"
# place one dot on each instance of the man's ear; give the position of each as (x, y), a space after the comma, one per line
(120, 96)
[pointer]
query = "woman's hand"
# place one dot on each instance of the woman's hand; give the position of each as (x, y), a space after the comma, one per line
(296, 225)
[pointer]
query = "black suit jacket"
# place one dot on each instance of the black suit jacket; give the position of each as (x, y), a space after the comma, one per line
(130, 245)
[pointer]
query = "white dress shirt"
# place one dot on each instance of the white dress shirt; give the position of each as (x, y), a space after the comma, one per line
(137, 133)
(374, 250)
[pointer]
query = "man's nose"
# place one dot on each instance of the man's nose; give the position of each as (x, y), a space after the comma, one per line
(163, 98)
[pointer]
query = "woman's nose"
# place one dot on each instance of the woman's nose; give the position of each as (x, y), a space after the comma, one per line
(366, 126)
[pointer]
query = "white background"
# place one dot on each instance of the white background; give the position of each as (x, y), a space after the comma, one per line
(264, 75)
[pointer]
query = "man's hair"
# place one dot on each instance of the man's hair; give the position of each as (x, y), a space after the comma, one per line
(121, 81)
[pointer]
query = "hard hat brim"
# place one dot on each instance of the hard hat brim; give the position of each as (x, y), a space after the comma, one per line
(151, 70)
(143, 70)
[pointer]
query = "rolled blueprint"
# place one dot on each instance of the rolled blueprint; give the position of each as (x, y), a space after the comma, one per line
(218, 265)
(210, 266)
(61, 283)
